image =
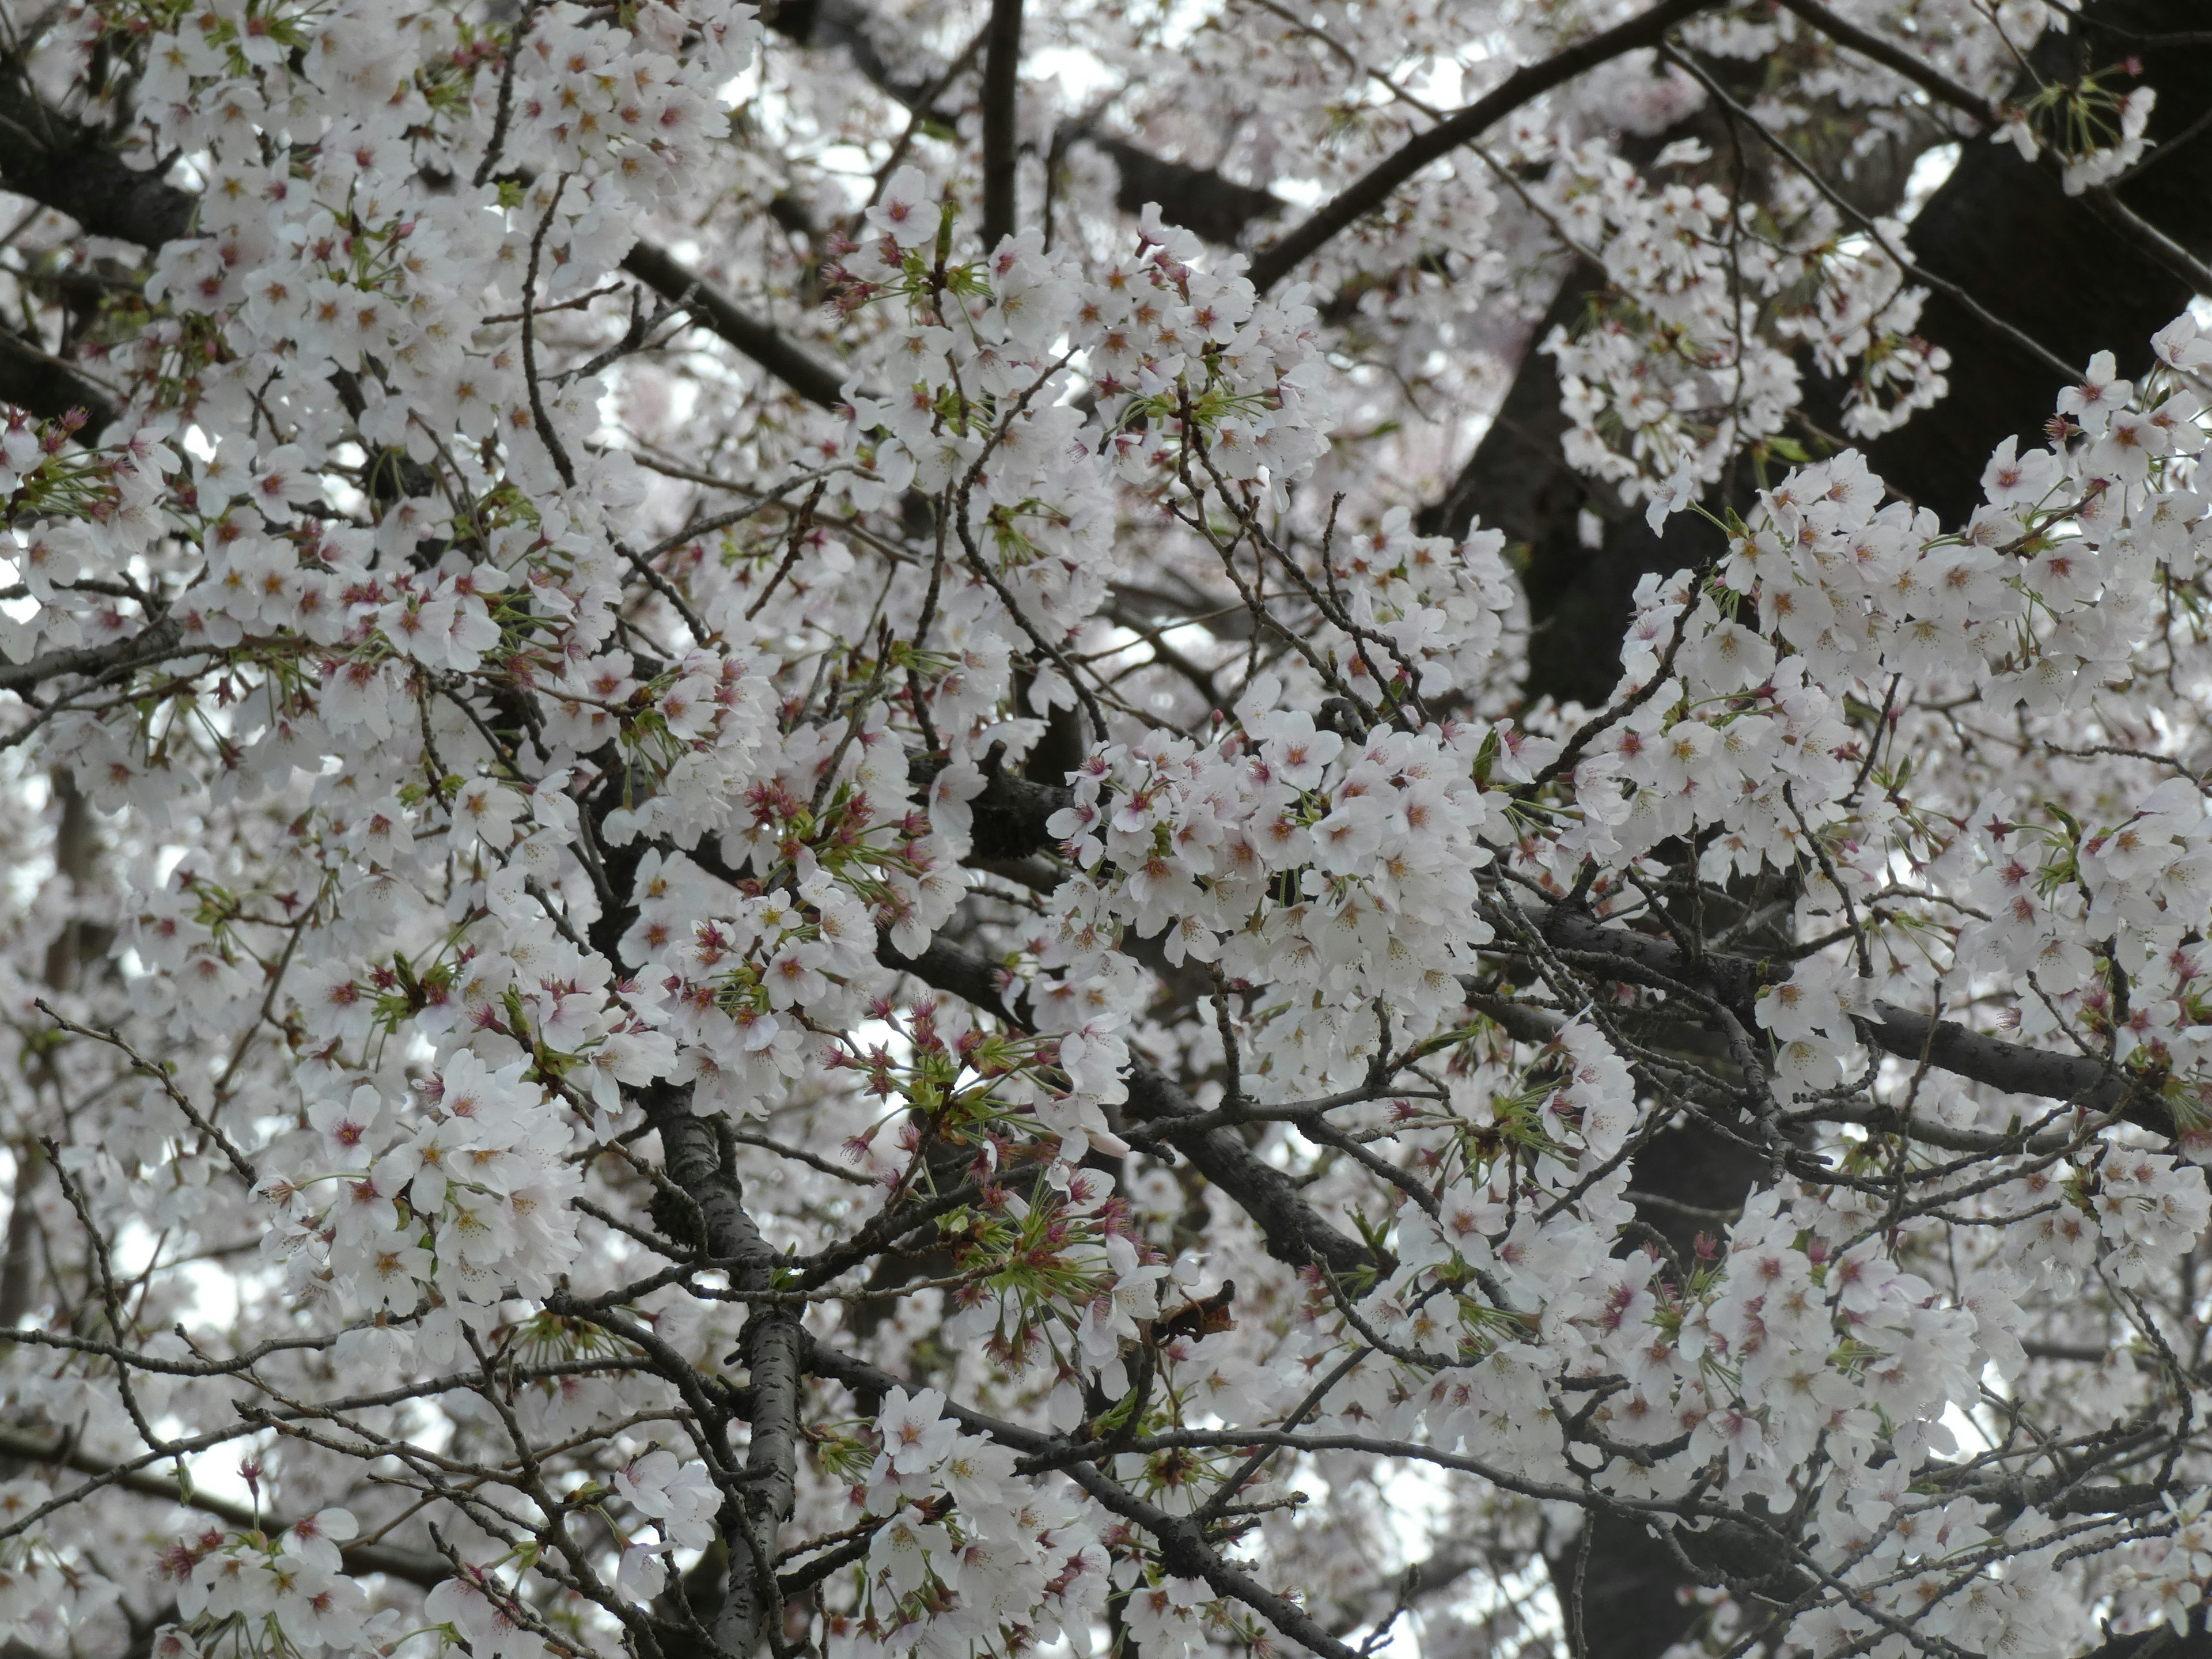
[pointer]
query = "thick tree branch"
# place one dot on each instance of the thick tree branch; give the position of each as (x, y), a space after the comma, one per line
(157, 643)
(1947, 1046)
(51, 158)
(1956, 292)
(1184, 1551)
(829, 25)
(1295, 1231)
(1002, 65)
(751, 1609)
(1184, 1547)
(1897, 60)
(1198, 199)
(1008, 818)
(49, 388)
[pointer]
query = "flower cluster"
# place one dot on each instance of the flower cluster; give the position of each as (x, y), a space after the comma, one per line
(957, 1551)
(1691, 363)
(247, 1593)
(774, 927)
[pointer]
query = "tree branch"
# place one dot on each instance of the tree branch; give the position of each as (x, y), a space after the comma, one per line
(1372, 189)
(161, 641)
(1183, 1549)
(811, 380)
(1296, 1232)
(1896, 59)
(1201, 201)
(49, 388)
(2012, 1068)
(1198, 199)
(1001, 124)
(67, 165)
(360, 1558)
(52, 158)
(752, 1609)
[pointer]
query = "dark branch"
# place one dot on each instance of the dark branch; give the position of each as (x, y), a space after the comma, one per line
(1947, 1046)
(1296, 1232)
(1198, 199)
(51, 158)
(1182, 1546)
(360, 1558)
(49, 388)
(771, 1348)
(2100, 199)
(1895, 59)
(60, 163)
(812, 381)
(1372, 189)
(1001, 126)
(156, 644)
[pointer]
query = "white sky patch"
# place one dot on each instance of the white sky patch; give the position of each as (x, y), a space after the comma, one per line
(848, 161)
(1082, 76)
(1929, 174)
(1971, 1436)
(1182, 20)
(742, 88)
